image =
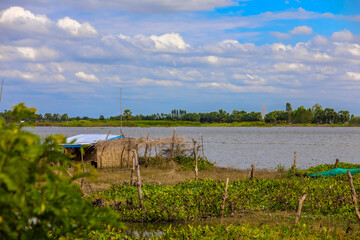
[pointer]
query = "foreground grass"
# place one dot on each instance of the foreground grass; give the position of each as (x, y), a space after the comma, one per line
(169, 176)
(178, 207)
(164, 123)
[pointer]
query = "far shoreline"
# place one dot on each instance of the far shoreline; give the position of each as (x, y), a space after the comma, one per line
(163, 123)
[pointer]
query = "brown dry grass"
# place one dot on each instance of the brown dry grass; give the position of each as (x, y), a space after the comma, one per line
(169, 176)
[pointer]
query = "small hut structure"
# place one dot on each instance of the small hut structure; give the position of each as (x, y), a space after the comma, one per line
(104, 151)
(119, 151)
(87, 142)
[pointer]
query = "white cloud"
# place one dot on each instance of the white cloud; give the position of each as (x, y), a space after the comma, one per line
(279, 47)
(123, 37)
(87, 77)
(344, 35)
(36, 67)
(291, 67)
(250, 79)
(34, 77)
(345, 48)
(236, 88)
(320, 41)
(356, 18)
(27, 52)
(19, 19)
(76, 29)
(169, 42)
(281, 35)
(353, 76)
(212, 59)
(300, 13)
(18, 15)
(147, 81)
(10, 53)
(301, 30)
(154, 6)
(56, 67)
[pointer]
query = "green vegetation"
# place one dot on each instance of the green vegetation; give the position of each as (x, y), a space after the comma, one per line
(328, 211)
(298, 117)
(200, 199)
(37, 197)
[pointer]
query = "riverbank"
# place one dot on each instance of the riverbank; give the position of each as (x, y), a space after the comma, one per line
(164, 123)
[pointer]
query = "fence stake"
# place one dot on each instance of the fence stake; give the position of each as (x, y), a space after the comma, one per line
(146, 147)
(353, 192)
(196, 150)
(173, 146)
(225, 197)
(202, 146)
(132, 170)
(252, 171)
(136, 159)
(301, 200)
(295, 157)
(336, 163)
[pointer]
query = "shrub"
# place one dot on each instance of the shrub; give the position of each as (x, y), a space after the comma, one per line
(37, 197)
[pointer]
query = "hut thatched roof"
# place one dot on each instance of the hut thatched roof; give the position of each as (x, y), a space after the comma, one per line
(137, 143)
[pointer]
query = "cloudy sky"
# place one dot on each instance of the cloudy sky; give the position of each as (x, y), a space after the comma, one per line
(200, 55)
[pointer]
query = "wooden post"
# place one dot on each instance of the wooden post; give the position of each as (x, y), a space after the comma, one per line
(173, 146)
(121, 113)
(202, 147)
(196, 150)
(128, 153)
(150, 149)
(132, 170)
(252, 171)
(122, 157)
(82, 166)
(336, 163)
(353, 192)
(225, 197)
(295, 156)
(146, 147)
(301, 200)
(107, 136)
(135, 156)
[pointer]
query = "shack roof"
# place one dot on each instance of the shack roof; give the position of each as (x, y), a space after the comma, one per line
(87, 139)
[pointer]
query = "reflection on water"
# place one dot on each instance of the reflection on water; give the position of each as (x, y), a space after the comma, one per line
(239, 147)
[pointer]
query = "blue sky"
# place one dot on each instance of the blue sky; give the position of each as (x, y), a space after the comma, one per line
(74, 56)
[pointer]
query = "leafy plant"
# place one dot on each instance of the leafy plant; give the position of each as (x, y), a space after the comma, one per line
(37, 197)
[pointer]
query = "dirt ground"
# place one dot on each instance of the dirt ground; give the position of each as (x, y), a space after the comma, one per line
(110, 176)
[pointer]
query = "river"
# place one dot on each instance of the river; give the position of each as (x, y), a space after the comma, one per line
(239, 147)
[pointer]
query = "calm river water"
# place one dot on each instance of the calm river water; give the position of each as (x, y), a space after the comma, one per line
(239, 147)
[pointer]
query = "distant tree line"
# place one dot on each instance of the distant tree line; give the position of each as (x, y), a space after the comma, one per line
(316, 115)
(220, 116)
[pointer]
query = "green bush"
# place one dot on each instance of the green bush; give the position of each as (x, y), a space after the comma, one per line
(188, 163)
(37, 197)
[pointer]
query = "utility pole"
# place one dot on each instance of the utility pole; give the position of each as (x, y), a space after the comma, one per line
(2, 84)
(121, 113)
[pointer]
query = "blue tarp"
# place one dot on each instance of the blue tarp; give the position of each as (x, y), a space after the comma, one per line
(334, 172)
(87, 139)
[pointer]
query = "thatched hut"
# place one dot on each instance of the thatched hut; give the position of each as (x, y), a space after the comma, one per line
(119, 152)
(107, 151)
(90, 155)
